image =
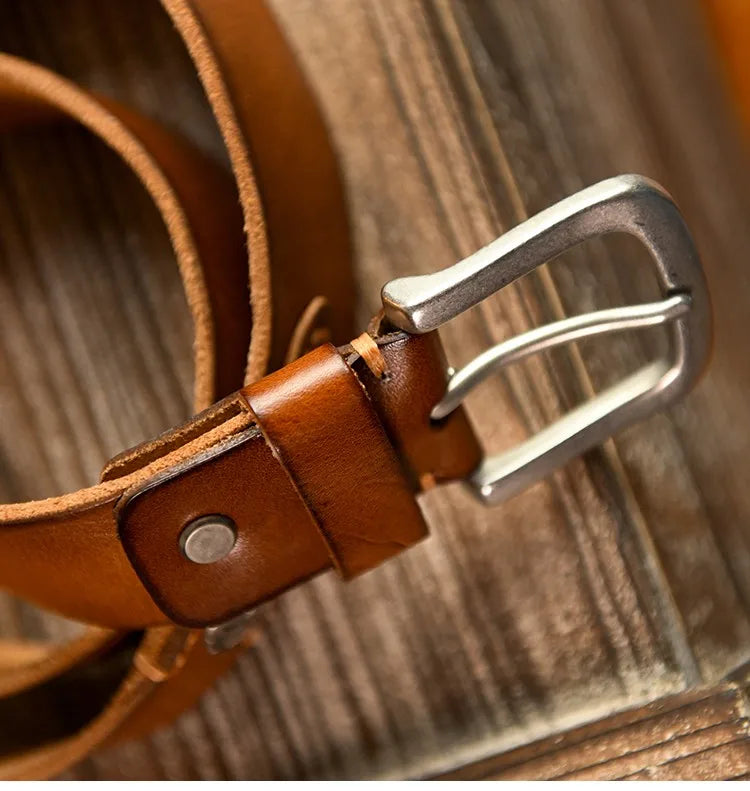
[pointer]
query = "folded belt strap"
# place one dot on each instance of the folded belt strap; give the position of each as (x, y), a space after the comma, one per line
(308, 475)
(291, 459)
(311, 472)
(293, 484)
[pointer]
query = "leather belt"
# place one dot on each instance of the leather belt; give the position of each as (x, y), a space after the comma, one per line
(255, 91)
(316, 465)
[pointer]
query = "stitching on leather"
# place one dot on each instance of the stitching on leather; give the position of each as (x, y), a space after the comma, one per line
(172, 658)
(371, 355)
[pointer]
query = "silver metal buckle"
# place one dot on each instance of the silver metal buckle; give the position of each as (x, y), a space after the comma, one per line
(625, 204)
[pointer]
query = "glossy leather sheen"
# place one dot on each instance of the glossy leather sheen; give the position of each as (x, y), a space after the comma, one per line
(277, 544)
(317, 419)
(329, 437)
(321, 477)
(283, 204)
(432, 451)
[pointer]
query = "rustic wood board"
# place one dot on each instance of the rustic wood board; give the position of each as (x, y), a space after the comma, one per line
(696, 735)
(622, 579)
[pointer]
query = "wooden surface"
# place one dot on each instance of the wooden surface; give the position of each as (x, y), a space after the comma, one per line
(695, 735)
(620, 580)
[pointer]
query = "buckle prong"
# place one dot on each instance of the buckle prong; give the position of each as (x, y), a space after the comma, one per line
(599, 322)
(629, 204)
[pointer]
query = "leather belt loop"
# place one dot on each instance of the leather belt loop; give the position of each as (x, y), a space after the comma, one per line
(327, 478)
(318, 420)
(294, 215)
(310, 479)
(432, 451)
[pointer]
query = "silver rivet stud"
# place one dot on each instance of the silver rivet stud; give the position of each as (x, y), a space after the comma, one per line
(208, 538)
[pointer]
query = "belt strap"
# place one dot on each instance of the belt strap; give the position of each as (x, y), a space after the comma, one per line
(276, 468)
(313, 467)
(288, 461)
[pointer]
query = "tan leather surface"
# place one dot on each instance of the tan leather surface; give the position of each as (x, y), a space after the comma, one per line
(80, 535)
(165, 647)
(318, 422)
(155, 156)
(195, 198)
(22, 669)
(129, 688)
(66, 555)
(282, 159)
(315, 483)
(64, 552)
(323, 451)
(510, 622)
(434, 451)
(59, 703)
(277, 543)
(186, 681)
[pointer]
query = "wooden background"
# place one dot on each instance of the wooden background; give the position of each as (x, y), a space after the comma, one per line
(621, 579)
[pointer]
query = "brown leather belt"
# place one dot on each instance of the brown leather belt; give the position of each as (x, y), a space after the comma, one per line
(314, 466)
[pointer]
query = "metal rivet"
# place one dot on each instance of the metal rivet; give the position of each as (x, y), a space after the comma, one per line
(208, 539)
(229, 634)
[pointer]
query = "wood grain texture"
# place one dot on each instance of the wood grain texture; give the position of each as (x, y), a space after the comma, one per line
(620, 580)
(697, 735)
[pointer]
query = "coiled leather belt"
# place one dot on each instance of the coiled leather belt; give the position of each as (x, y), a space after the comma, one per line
(316, 465)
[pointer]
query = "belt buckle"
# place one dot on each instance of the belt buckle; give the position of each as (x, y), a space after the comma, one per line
(630, 204)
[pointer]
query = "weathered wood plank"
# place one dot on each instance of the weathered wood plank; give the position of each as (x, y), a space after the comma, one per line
(695, 735)
(621, 579)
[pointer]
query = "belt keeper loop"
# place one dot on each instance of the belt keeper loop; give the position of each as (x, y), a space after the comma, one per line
(368, 350)
(340, 447)
(157, 673)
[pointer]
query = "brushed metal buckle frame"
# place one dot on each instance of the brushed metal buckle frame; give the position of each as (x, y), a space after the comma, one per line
(624, 204)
